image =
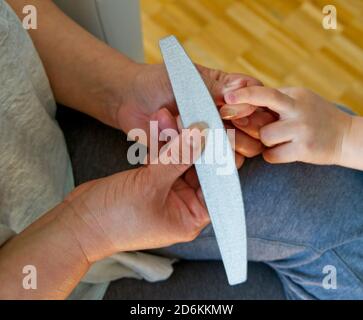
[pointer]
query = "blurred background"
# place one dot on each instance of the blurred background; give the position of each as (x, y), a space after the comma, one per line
(280, 42)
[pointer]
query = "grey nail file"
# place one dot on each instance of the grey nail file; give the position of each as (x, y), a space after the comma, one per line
(222, 192)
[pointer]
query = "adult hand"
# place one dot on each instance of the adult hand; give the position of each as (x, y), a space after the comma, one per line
(91, 77)
(150, 97)
(149, 207)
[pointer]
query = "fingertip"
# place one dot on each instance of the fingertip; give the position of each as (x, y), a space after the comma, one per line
(236, 111)
(246, 145)
(264, 136)
(239, 159)
(228, 112)
(279, 154)
(198, 133)
(165, 119)
(268, 156)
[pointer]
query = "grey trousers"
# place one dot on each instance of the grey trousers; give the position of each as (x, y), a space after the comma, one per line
(304, 221)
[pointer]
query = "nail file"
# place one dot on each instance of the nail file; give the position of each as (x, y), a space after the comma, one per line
(222, 192)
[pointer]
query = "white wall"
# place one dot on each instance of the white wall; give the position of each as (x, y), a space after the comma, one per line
(116, 22)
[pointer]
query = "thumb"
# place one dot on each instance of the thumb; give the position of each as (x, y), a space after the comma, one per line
(179, 155)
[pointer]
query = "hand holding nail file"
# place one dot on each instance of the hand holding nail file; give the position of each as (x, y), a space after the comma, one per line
(222, 192)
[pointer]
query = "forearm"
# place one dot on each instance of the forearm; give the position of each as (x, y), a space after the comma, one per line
(352, 151)
(84, 73)
(53, 250)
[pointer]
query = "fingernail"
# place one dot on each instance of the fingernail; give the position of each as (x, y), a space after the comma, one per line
(243, 122)
(199, 126)
(230, 98)
(228, 113)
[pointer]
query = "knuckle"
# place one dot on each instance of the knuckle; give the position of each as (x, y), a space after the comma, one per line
(274, 95)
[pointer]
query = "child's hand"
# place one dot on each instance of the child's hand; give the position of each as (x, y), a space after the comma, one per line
(310, 129)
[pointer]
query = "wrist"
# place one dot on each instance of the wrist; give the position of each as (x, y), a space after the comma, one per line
(148, 89)
(119, 89)
(92, 242)
(48, 245)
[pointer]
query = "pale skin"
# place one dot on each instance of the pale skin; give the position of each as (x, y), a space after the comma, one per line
(150, 207)
(309, 129)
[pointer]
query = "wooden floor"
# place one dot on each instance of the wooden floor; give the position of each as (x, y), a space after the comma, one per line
(281, 42)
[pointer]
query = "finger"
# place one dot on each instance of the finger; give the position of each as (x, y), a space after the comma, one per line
(252, 124)
(231, 112)
(240, 159)
(247, 146)
(251, 82)
(191, 200)
(244, 144)
(234, 81)
(168, 127)
(276, 133)
(166, 131)
(179, 123)
(284, 153)
(289, 91)
(179, 155)
(201, 197)
(219, 83)
(191, 178)
(262, 96)
(165, 120)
